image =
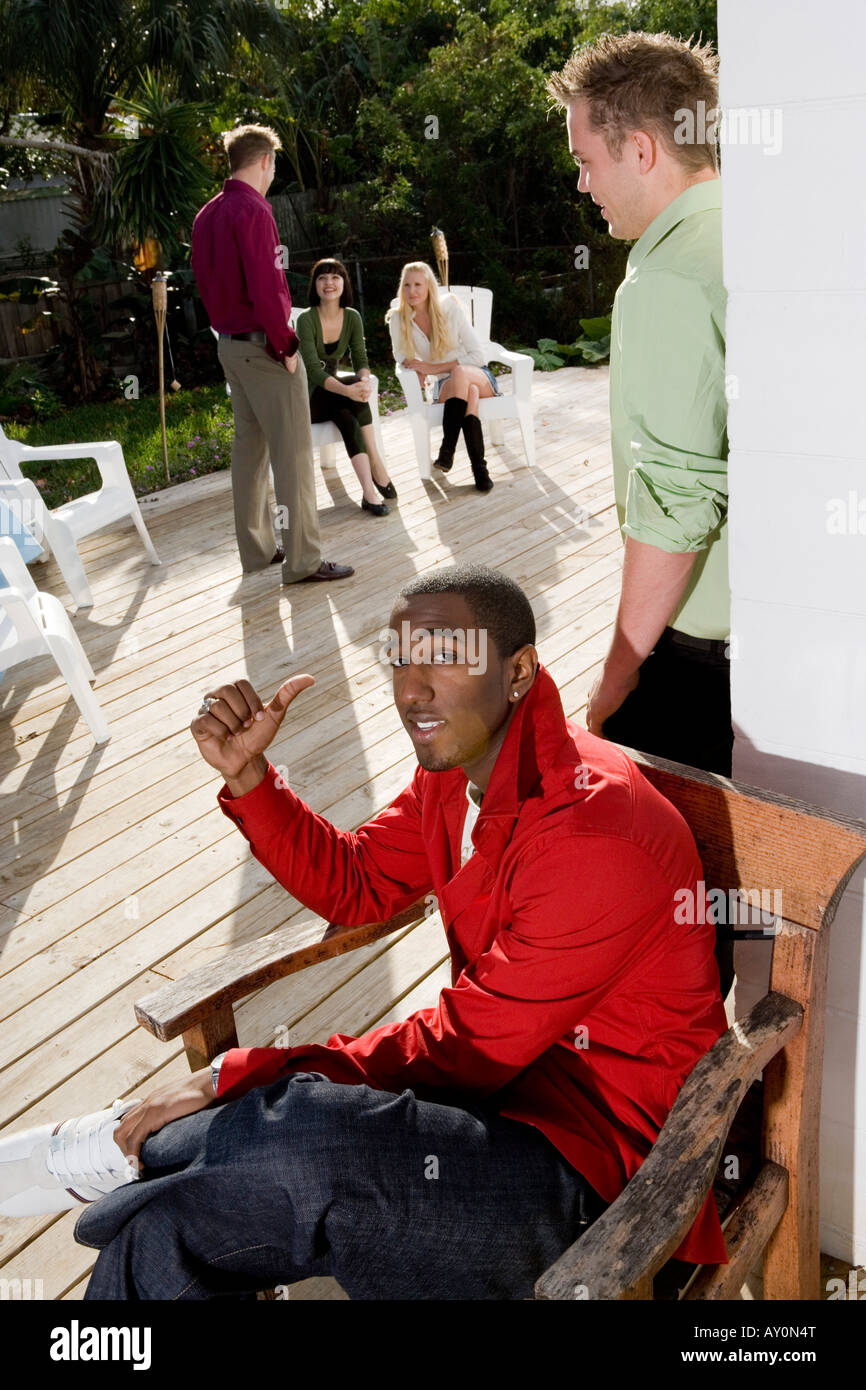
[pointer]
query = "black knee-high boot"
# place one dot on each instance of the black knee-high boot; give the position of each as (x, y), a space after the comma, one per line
(474, 437)
(452, 419)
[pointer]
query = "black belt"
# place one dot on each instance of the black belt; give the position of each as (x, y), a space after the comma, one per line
(717, 646)
(255, 335)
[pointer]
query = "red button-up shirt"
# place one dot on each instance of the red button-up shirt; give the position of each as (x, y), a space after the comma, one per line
(576, 995)
(237, 260)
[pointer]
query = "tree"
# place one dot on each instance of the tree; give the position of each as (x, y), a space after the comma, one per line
(160, 182)
(82, 54)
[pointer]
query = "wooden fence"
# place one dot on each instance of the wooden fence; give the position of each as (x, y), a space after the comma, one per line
(15, 344)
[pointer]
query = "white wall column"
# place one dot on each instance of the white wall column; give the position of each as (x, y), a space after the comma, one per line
(794, 211)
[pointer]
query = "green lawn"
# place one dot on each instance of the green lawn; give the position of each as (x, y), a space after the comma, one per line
(198, 427)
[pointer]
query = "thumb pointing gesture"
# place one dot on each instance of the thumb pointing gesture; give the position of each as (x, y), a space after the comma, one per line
(237, 728)
(276, 710)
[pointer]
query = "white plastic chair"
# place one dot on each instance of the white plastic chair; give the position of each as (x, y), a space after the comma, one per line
(115, 500)
(326, 435)
(514, 404)
(33, 517)
(35, 624)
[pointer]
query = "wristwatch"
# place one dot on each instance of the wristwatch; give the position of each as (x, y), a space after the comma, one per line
(215, 1071)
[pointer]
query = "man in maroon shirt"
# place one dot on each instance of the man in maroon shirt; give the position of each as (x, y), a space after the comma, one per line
(237, 260)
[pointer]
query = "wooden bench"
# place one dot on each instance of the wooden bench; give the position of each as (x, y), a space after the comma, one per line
(748, 839)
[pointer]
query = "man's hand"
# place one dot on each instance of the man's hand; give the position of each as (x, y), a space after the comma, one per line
(239, 728)
(605, 698)
(291, 363)
(172, 1100)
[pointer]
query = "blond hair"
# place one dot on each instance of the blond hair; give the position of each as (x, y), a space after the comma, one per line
(645, 82)
(441, 342)
(247, 143)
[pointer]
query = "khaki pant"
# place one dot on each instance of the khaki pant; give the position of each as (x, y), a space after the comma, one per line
(272, 423)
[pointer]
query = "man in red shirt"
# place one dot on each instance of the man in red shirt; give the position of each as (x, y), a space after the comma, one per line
(238, 265)
(455, 1154)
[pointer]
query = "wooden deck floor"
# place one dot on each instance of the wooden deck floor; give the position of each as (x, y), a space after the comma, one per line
(117, 869)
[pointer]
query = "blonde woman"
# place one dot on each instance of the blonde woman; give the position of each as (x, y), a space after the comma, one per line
(433, 337)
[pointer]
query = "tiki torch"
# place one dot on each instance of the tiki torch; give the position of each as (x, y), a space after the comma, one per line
(440, 248)
(159, 294)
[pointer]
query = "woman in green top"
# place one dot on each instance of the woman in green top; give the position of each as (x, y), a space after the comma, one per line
(327, 331)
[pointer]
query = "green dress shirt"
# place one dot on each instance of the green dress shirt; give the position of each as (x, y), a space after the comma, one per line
(668, 408)
(319, 364)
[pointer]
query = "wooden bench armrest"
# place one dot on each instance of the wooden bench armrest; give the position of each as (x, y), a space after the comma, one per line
(192, 1000)
(632, 1239)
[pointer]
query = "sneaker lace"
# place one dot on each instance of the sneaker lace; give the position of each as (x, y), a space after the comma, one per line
(82, 1153)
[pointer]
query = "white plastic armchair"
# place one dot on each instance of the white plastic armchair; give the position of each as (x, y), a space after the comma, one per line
(114, 501)
(326, 435)
(34, 624)
(31, 514)
(514, 404)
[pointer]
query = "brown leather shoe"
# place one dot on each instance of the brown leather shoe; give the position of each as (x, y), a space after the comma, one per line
(328, 569)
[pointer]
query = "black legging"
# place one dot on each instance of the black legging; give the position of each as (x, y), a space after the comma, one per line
(347, 415)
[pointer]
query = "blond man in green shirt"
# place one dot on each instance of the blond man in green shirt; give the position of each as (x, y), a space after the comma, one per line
(632, 103)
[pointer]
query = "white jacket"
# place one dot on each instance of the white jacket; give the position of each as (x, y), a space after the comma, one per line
(468, 350)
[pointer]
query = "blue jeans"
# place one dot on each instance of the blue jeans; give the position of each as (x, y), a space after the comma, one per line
(396, 1196)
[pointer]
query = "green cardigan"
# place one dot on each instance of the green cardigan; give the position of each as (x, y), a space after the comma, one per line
(312, 346)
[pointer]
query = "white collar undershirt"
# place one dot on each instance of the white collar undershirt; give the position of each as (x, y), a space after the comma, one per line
(473, 800)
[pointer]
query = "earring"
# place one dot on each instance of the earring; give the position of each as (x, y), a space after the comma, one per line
(516, 694)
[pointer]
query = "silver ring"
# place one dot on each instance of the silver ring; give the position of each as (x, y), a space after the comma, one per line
(204, 707)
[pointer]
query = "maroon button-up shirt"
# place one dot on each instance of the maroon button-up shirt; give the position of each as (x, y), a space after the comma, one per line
(237, 263)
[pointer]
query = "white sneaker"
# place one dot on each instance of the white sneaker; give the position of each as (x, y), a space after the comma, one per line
(56, 1167)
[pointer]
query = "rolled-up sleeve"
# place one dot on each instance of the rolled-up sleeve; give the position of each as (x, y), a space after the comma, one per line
(676, 408)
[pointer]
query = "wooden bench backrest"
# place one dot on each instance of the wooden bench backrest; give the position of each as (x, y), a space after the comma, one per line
(751, 839)
(754, 839)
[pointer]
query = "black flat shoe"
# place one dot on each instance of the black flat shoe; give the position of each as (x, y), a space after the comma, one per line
(376, 508)
(388, 490)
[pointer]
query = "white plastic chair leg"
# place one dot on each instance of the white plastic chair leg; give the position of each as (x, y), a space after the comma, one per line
(55, 623)
(377, 423)
(527, 430)
(327, 457)
(145, 538)
(377, 431)
(497, 433)
(421, 433)
(73, 665)
(68, 560)
(81, 693)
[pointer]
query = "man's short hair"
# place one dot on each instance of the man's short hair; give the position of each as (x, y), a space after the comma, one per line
(247, 143)
(641, 82)
(497, 604)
